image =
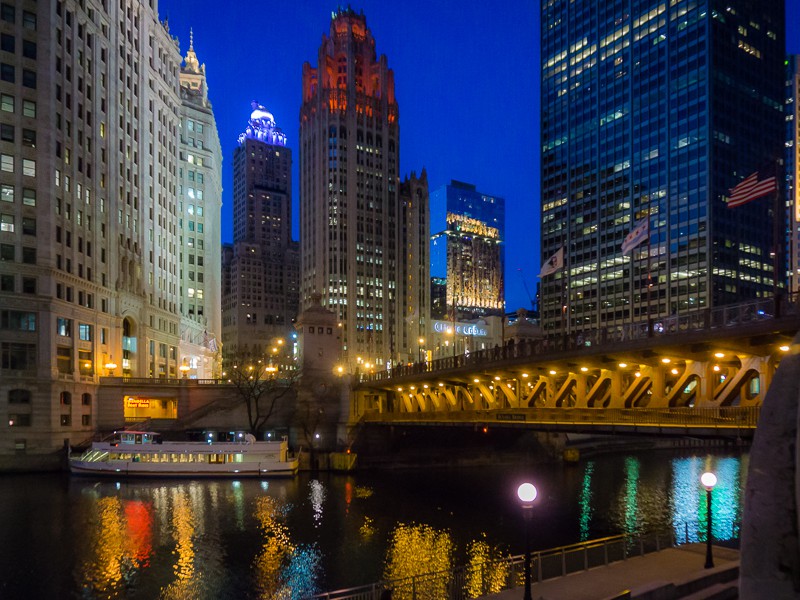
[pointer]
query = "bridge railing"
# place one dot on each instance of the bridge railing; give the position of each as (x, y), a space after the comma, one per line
(718, 418)
(700, 320)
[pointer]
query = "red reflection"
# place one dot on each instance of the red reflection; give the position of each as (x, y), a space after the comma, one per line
(139, 516)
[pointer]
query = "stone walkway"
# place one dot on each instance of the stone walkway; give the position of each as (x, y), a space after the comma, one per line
(667, 566)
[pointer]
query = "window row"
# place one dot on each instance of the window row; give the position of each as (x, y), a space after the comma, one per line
(8, 104)
(8, 224)
(9, 252)
(7, 164)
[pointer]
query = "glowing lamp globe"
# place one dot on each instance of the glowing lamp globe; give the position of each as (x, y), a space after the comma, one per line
(526, 493)
(709, 480)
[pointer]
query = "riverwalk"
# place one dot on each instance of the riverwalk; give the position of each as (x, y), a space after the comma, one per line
(672, 573)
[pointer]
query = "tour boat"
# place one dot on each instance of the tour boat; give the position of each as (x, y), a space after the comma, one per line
(146, 454)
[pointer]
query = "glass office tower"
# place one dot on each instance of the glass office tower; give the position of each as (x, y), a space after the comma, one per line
(652, 110)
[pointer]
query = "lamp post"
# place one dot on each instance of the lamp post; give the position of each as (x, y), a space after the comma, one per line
(527, 494)
(110, 366)
(421, 343)
(709, 480)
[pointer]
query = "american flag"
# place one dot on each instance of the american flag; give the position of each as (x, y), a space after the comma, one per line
(760, 183)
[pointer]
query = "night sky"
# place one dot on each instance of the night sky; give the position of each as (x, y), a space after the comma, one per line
(466, 78)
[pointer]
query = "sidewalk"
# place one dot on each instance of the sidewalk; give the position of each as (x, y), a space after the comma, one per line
(671, 565)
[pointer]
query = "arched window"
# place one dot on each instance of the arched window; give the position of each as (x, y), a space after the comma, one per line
(19, 396)
(66, 398)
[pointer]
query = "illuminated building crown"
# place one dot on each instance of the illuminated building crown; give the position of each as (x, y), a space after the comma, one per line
(261, 126)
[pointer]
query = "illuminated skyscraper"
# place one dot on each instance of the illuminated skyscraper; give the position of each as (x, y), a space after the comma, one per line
(261, 269)
(361, 243)
(91, 282)
(467, 250)
(793, 169)
(651, 112)
(200, 189)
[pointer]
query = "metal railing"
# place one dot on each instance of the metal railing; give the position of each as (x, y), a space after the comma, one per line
(474, 581)
(731, 316)
(726, 417)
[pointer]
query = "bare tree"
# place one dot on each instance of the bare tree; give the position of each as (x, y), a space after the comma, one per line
(263, 388)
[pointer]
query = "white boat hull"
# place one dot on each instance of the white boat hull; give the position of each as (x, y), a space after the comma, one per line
(122, 458)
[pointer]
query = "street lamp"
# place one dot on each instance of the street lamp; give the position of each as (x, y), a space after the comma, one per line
(184, 369)
(709, 480)
(110, 366)
(527, 494)
(421, 343)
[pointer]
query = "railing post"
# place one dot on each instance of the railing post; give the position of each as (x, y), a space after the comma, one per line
(538, 559)
(605, 552)
(563, 562)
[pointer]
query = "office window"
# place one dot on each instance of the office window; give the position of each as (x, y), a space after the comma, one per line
(85, 332)
(7, 163)
(19, 420)
(28, 226)
(7, 223)
(29, 285)
(29, 109)
(7, 103)
(6, 283)
(29, 255)
(7, 252)
(29, 196)
(6, 193)
(29, 167)
(64, 362)
(17, 356)
(66, 420)
(19, 396)
(64, 327)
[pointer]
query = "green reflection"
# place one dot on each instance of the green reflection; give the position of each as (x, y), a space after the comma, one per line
(631, 493)
(585, 501)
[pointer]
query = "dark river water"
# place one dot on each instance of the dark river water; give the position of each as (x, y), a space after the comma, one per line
(284, 539)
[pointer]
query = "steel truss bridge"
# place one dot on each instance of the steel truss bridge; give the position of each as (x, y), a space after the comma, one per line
(703, 373)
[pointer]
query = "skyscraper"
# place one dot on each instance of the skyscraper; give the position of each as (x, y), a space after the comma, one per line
(200, 189)
(651, 112)
(360, 242)
(261, 269)
(90, 281)
(793, 169)
(467, 248)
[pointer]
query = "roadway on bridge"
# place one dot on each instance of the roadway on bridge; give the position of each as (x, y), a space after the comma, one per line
(673, 565)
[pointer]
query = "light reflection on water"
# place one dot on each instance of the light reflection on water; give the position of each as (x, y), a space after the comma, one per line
(286, 539)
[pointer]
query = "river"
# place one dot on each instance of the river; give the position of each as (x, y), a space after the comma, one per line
(86, 538)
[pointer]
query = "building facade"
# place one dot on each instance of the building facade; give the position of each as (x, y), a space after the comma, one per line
(467, 249)
(361, 243)
(651, 112)
(90, 113)
(261, 269)
(793, 171)
(200, 203)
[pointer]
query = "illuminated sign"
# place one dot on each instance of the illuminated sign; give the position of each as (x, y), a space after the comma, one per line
(137, 402)
(461, 328)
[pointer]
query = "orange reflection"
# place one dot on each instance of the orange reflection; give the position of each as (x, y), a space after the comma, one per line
(276, 548)
(413, 551)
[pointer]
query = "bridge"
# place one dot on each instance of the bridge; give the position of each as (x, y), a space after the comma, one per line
(702, 373)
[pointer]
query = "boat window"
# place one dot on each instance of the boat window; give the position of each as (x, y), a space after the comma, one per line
(138, 438)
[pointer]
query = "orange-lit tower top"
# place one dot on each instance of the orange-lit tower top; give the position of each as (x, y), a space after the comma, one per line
(347, 56)
(352, 222)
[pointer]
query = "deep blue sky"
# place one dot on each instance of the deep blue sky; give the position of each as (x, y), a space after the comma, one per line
(466, 78)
